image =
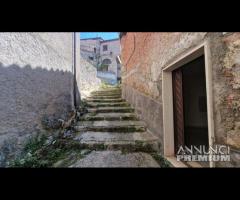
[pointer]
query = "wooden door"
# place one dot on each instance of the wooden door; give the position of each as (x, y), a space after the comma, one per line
(178, 108)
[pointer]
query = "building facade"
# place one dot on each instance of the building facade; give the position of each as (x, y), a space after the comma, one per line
(90, 50)
(186, 87)
(41, 77)
(104, 55)
(37, 84)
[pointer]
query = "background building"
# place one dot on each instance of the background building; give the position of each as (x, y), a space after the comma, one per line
(104, 55)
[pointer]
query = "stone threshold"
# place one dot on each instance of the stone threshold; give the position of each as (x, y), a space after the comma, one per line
(173, 161)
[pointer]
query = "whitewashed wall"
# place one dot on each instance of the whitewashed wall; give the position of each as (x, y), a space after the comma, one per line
(36, 85)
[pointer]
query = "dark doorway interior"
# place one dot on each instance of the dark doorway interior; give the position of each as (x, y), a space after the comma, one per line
(190, 104)
(195, 103)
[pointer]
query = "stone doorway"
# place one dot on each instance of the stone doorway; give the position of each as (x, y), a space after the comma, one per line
(202, 53)
(190, 105)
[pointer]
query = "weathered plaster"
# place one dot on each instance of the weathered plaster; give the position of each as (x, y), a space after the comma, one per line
(144, 55)
(36, 84)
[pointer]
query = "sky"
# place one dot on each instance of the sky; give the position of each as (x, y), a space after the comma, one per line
(104, 35)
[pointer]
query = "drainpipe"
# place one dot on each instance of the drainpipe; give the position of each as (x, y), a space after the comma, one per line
(74, 70)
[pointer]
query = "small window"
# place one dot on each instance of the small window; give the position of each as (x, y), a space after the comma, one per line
(105, 47)
(95, 50)
(90, 58)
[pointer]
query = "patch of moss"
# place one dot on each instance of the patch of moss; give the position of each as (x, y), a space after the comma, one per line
(101, 147)
(82, 108)
(104, 85)
(34, 143)
(97, 147)
(38, 154)
(125, 151)
(41, 158)
(161, 160)
(136, 129)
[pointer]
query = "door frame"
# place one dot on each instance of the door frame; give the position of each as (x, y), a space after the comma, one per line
(167, 88)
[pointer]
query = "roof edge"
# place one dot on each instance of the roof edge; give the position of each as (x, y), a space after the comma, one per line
(121, 34)
(109, 40)
(95, 38)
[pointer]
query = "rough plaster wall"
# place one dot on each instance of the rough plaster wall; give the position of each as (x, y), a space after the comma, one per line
(86, 55)
(225, 54)
(113, 46)
(87, 77)
(87, 49)
(145, 54)
(89, 45)
(227, 93)
(36, 82)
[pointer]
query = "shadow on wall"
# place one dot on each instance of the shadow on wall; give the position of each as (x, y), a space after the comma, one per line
(31, 100)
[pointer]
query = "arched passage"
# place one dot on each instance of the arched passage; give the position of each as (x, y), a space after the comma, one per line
(105, 63)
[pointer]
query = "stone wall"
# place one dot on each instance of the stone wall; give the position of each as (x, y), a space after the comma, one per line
(36, 84)
(144, 55)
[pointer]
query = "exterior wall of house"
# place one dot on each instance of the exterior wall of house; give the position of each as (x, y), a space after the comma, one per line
(112, 52)
(144, 55)
(87, 50)
(36, 84)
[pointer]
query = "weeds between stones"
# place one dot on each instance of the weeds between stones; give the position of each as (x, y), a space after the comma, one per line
(40, 152)
(161, 160)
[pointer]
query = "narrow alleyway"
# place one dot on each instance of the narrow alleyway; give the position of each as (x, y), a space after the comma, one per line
(179, 92)
(104, 133)
(111, 128)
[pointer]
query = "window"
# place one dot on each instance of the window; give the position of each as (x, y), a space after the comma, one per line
(105, 47)
(90, 58)
(95, 50)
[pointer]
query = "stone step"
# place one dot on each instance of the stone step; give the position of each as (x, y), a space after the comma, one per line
(106, 97)
(130, 142)
(104, 100)
(107, 159)
(109, 126)
(117, 104)
(111, 109)
(108, 90)
(107, 93)
(108, 116)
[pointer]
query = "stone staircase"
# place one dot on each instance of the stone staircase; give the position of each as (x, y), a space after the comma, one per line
(112, 132)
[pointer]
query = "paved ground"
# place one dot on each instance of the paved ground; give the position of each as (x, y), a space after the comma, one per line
(116, 159)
